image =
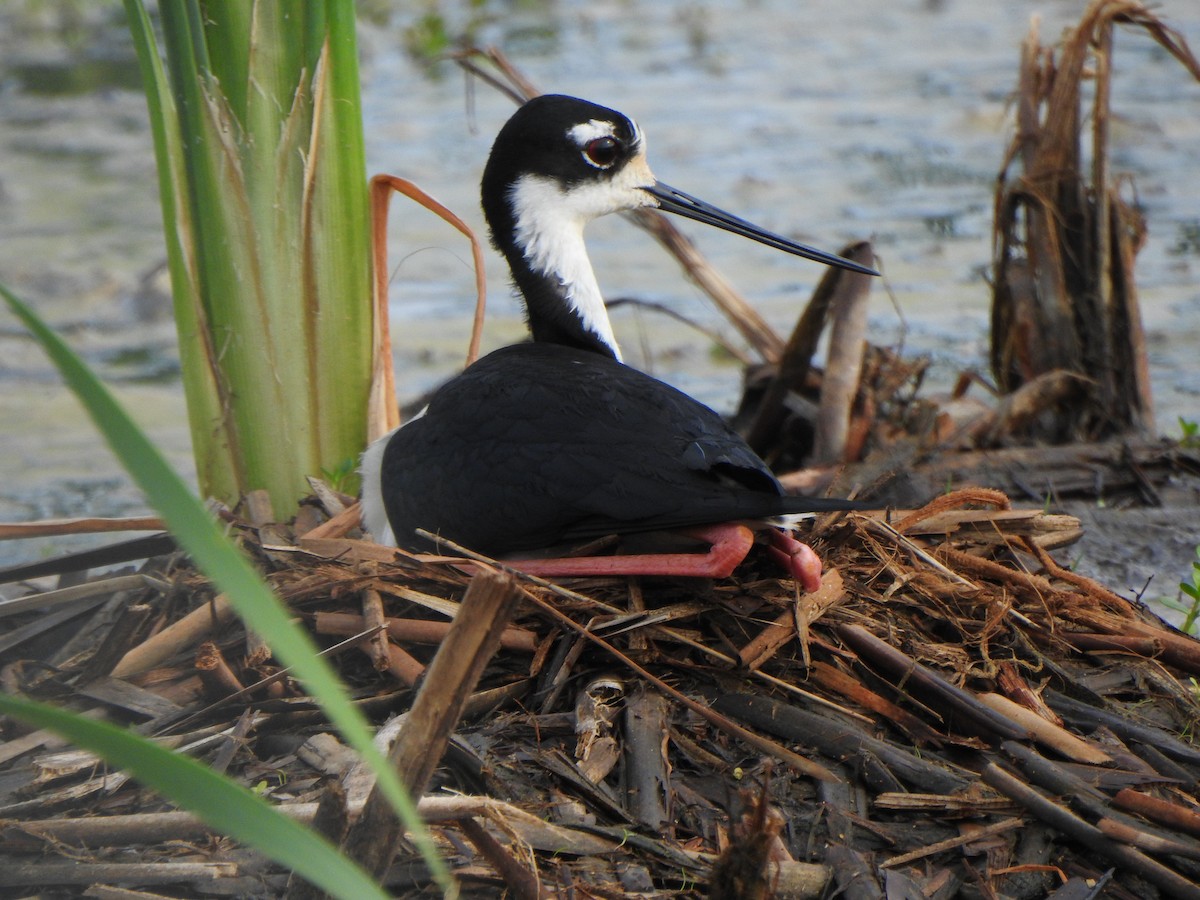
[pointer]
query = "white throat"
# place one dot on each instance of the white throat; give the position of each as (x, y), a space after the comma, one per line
(550, 230)
(374, 516)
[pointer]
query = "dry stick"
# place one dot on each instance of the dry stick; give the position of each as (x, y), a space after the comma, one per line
(487, 605)
(950, 843)
(16, 746)
(129, 697)
(1046, 733)
(786, 626)
(111, 892)
(197, 624)
(147, 828)
(337, 526)
(524, 884)
(116, 641)
(419, 631)
(1078, 830)
(373, 618)
(1101, 197)
(1128, 315)
(843, 368)
(1175, 649)
(43, 623)
(979, 567)
(1153, 843)
(87, 525)
(648, 788)
(13, 874)
(905, 672)
(403, 666)
(333, 502)
(1180, 818)
(1085, 716)
(258, 651)
(968, 803)
(218, 679)
(953, 500)
(846, 685)
(1014, 686)
(883, 765)
(384, 655)
(795, 358)
(78, 592)
(996, 526)
(1127, 380)
(232, 741)
(516, 77)
(535, 831)
(1051, 776)
(383, 415)
(1088, 586)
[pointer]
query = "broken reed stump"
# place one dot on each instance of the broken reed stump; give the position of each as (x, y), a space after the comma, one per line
(1064, 299)
(472, 640)
(838, 293)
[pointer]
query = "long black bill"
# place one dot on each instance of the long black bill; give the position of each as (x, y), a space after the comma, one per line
(676, 201)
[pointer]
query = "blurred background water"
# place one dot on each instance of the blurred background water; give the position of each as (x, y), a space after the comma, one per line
(829, 122)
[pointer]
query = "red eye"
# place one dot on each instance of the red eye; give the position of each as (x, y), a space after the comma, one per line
(602, 152)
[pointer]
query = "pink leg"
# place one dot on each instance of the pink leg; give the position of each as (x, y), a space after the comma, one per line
(730, 542)
(798, 558)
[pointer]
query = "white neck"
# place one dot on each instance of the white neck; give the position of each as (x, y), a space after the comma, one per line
(549, 229)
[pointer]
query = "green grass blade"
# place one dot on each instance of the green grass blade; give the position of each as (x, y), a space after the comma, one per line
(194, 529)
(216, 800)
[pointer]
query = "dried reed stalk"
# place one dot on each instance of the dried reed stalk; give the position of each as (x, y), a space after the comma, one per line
(1064, 298)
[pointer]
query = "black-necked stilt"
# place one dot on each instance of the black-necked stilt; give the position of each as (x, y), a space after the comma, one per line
(554, 442)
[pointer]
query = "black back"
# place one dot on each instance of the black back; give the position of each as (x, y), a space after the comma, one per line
(538, 444)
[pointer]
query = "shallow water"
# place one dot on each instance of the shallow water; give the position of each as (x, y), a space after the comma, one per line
(862, 119)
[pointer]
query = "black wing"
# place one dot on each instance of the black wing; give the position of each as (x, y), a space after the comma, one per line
(536, 444)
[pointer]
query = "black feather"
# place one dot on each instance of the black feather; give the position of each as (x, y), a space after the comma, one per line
(537, 444)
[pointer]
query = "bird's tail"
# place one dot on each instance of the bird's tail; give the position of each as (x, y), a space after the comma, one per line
(795, 507)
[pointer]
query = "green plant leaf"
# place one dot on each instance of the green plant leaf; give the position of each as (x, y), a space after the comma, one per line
(257, 123)
(216, 800)
(214, 454)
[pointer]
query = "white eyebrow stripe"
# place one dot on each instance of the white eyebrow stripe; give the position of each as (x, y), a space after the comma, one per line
(585, 132)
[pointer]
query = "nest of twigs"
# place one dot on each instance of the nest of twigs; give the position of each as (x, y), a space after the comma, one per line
(952, 714)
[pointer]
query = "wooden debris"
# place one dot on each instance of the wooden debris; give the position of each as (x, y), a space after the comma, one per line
(840, 382)
(837, 288)
(488, 604)
(1066, 322)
